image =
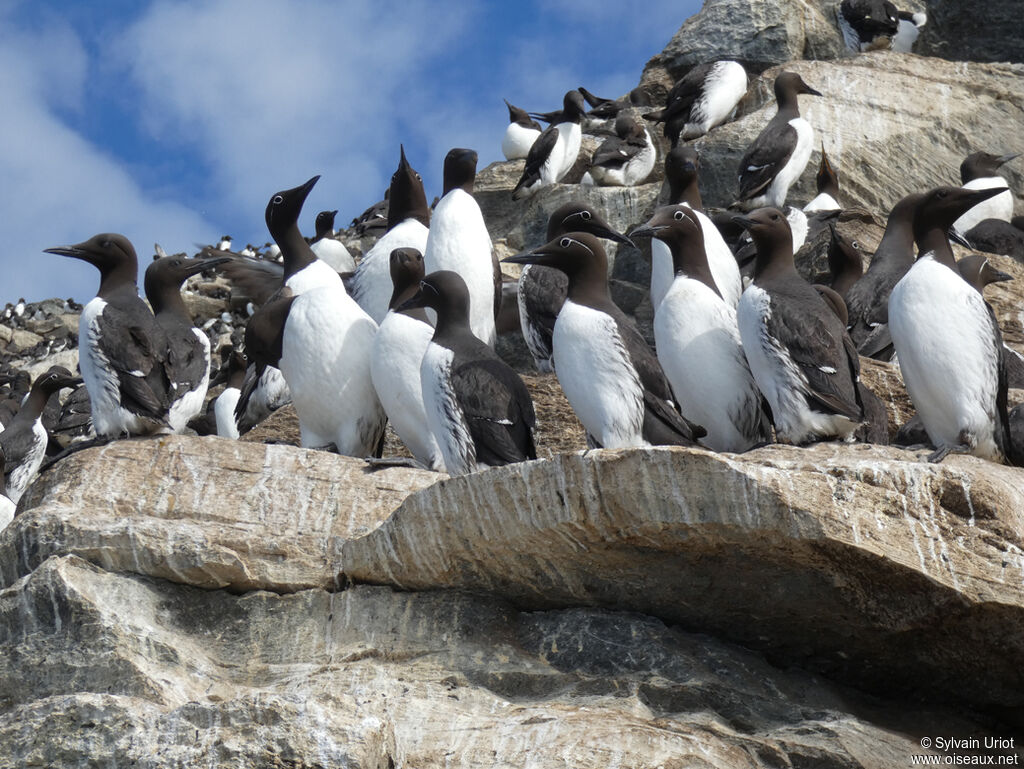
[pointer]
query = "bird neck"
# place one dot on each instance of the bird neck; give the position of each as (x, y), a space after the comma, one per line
(33, 407)
(117, 279)
(774, 260)
(587, 286)
(936, 242)
(295, 250)
(687, 192)
(167, 303)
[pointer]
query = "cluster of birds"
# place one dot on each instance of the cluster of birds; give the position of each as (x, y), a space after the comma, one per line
(747, 351)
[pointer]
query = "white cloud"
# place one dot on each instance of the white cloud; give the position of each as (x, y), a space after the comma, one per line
(57, 187)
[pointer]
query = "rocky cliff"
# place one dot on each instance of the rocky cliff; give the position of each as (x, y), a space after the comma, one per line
(194, 601)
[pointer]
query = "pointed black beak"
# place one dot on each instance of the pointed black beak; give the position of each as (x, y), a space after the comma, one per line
(604, 231)
(996, 276)
(645, 231)
(1003, 159)
(70, 381)
(75, 252)
(202, 265)
(745, 222)
(304, 190)
(531, 257)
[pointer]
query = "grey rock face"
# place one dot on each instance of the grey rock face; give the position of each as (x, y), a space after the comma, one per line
(964, 31)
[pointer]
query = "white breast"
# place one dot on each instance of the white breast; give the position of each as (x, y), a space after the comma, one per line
(661, 272)
(945, 343)
(459, 241)
(313, 276)
(998, 207)
(444, 415)
(224, 412)
(334, 254)
(630, 173)
(906, 35)
(7, 508)
(191, 403)
(23, 474)
(699, 348)
(795, 166)
(398, 351)
(725, 86)
(517, 141)
(721, 261)
(597, 376)
(372, 283)
(326, 362)
(822, 202)
(563, 154)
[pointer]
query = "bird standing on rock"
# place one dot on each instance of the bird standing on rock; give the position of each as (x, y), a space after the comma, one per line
(611, 378)
(122, 349)
(801, 357)
(554, 152)
(188, 348)
(780, 152)
(705, 97)
(478, 408)
(947, 341)
(520, 135)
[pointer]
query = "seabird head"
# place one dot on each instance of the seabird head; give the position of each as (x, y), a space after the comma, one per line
(678, 228)
(827, 179)
(407, 271)
(845, 261)
(942, 206)
(55, 379)
(459, 169)
(788, 85)
(772, 236)
(284, 207)
(579, 217)
(520, 116)
(981, 165)
(682, 168)
(446, 293)
(979, 272)
(406, 198)
(112, 254)
(578, 254)
(169, 272)
(572, 107)
(325, 223)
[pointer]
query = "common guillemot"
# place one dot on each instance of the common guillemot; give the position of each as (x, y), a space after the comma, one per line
(705, 97)
(398, 350)
(625, 159)
(478, 408)
(188, 348)
(611, 378)
(122, 349)
(327, 247)
(979, 171)
(799, 352)
(554, 152)
(698, 342)
(780, 152)
(946, 339)
(520, 135)
(827, 183)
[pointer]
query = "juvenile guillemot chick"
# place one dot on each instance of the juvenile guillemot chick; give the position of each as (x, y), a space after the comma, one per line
(122, 349)
(682, 170)
(979, 171)
(542, 289)
(459, 242)
(780, 152)
(947, 341)
(698, 342)
(327, 247)
(867, 300)
(624, 159)
(398, 351)
(799, 352)
(478, 408)
(520, 135)
(408, 223)
(188, 348)
(707, 96)
(827, 182)
(24, 440)
(611, 378)
(554, 152)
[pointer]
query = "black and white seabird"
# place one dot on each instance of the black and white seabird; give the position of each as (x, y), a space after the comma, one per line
(845, 263)
(554, 152)
(908, 30)
(520, 135)
(25, 438)
(609, 109)
(698, 341)
(459, 241)
(478, 408)
(302, 270)
(542, 289)
(188, 348)
(122, 349)
(979, 171)
(611, 378)
(862, 22)
(682, 171)
(7, 505)
(994, 236)
(224, 406)
(827, 182)
(707, 96)
(625, 159)
(799, 352)
(780, 152)
(408, 223)
(398, 351)
(867, 300)
(947, 341)
(327, 247)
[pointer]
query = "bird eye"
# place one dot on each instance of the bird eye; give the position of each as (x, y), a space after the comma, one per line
(775, 217)
(278, 200)
(565, 242)
(678, 216)
(585, 216)
(105, 244)
(942, 193)
(856, 245)
(419, 178)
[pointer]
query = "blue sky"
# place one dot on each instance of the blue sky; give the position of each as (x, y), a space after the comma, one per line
(174, 121)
